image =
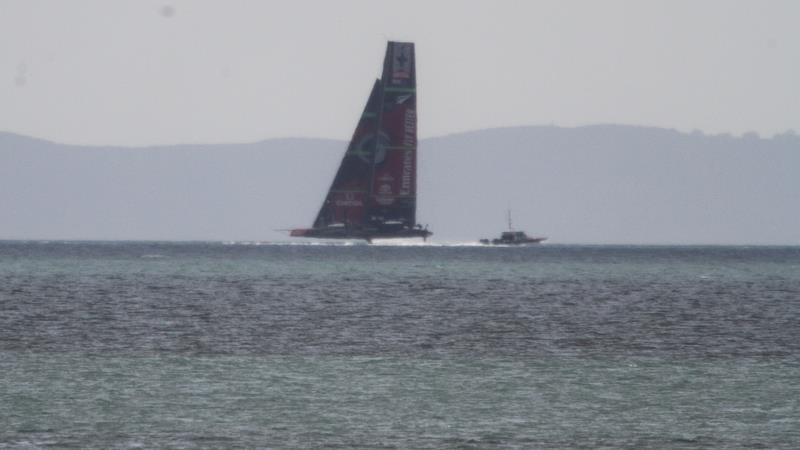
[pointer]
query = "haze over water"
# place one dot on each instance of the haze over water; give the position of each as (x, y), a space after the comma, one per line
(159, 344)
(120, 344)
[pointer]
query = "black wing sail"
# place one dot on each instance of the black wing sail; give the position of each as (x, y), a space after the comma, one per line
(346, 200)
(374, 192)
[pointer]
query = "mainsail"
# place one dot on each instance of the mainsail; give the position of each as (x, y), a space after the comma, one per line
(374, 192)
(346, 202)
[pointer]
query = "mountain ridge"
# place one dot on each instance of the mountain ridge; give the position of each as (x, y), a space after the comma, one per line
(592, 184)
(789, 134)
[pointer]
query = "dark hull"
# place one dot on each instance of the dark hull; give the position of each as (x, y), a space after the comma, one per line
(513, 238)
(361, 234)
(506, 242)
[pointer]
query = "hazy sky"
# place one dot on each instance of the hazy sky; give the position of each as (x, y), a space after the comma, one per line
(159, 72)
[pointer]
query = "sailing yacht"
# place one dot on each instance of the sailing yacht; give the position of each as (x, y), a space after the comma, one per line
(374, 192)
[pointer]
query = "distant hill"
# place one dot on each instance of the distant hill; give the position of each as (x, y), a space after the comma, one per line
(594, 184)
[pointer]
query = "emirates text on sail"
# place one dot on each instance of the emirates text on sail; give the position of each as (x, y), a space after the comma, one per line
(410, 127)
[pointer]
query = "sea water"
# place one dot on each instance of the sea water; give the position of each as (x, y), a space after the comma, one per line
(228, 345)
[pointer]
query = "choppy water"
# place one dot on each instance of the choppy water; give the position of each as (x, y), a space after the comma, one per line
(124, 345)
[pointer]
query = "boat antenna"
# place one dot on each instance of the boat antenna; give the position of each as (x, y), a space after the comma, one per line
(510, 228)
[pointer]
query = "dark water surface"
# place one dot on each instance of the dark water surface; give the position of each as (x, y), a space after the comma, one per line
(125, 345)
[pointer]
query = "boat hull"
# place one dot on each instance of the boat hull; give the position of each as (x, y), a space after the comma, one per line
(361, 234)
(529, 241)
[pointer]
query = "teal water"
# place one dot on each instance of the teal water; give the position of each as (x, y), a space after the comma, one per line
(128, 345)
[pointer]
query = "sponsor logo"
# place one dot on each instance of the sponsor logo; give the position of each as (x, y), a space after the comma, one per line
(409, 141)
(385, 195)
(410, 128)
(402, 99)
(349, 203)
(384, 201)
(370, 151)
(401, 63)
(349, 200)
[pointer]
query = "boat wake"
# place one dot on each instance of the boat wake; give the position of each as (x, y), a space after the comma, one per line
(375, 243)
